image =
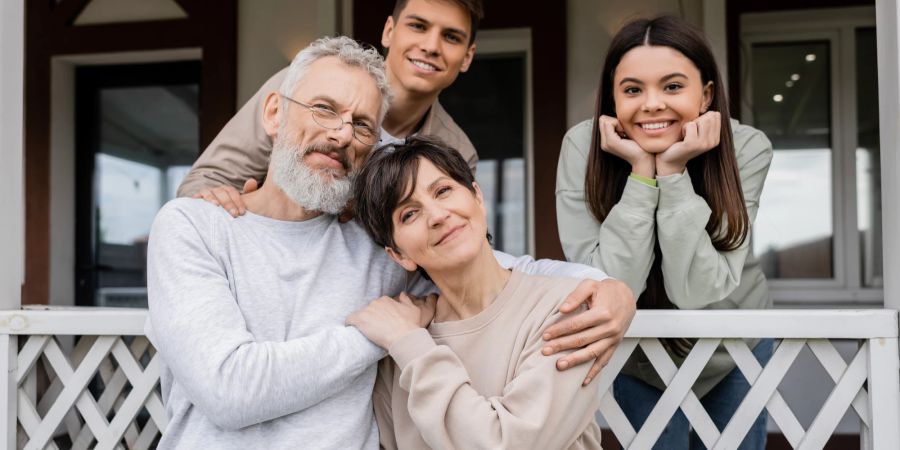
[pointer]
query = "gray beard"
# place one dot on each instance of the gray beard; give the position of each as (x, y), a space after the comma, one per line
(321, 190)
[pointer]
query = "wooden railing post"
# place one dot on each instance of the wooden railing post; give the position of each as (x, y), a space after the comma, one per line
(884, 404)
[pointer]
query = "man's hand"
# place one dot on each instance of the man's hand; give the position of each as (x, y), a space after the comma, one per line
(596, 332)
(228, 197)
(386, 319)
(699, 136)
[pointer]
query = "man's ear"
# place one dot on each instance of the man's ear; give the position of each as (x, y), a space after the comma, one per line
(404, 262)
(271, 118)
(470, 54)
(387, 32)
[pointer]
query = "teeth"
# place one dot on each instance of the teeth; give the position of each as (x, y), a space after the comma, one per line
(424, 65)
(654, 126)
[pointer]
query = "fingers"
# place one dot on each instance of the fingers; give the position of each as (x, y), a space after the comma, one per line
(590, 353)
(599, 363)
(226, 197)
(251, 185)
(582, 338)
(582, 293)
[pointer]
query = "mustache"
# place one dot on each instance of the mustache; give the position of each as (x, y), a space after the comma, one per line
(328, 150)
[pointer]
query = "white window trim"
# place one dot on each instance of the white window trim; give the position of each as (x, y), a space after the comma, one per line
(518, 41)
(12, 171)
(837, 26)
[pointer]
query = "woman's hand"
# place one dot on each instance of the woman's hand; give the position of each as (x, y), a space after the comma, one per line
(386, 319)
(596, 333)
(612, 141)
(700, 136)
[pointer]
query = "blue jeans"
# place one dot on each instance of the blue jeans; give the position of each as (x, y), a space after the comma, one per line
(637, 399)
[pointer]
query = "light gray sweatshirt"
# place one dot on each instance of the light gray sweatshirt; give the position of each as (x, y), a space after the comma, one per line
(248, 317)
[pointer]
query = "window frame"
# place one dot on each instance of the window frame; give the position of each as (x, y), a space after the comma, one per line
(837, 26)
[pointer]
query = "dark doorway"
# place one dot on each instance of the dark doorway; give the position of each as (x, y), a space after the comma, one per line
(137, 134)
(489, 104)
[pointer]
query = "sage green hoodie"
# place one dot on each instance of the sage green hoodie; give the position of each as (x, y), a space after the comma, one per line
(696, 275)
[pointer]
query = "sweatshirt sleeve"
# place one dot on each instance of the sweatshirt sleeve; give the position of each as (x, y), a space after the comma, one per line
(239, 152)
(540, 407)
(381, 400)
(622, 245)
(199, 331)
(696, 274)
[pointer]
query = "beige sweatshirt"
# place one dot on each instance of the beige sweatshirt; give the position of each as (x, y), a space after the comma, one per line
(482, 382)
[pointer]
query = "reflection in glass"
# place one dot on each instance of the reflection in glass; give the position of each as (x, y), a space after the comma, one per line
(148, 140)
(488, 103)
(868, 160)
(793, 234)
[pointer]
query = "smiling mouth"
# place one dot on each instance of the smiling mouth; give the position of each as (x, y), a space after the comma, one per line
(656, 126)
(449, 234)
(424, 65)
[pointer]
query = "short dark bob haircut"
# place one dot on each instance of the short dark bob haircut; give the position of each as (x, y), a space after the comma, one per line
(388, 179)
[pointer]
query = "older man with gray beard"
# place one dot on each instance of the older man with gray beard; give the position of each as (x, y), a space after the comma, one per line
(248, 313)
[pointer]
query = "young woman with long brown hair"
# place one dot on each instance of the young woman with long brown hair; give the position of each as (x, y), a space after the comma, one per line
(660, 190)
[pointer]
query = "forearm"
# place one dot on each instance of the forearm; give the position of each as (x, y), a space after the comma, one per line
(238, 382)
(696, 274)
(540, 408)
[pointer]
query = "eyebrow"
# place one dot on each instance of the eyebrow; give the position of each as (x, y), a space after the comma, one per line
(665, 78)
(431, 186)
(328, 99)
(462, 33)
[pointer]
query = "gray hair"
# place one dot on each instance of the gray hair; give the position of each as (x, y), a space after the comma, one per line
(349, 52)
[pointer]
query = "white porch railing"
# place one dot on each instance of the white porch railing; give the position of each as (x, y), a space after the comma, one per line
(94, 394)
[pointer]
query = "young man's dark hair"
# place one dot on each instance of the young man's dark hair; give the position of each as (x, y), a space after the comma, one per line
(475, 8)
(389, 178)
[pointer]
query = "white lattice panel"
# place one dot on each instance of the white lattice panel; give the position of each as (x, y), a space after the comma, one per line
(94, 395)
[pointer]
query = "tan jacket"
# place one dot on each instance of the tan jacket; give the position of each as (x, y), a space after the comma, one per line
(241, 150)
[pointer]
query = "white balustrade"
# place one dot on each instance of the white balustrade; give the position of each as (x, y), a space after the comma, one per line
(103, 393)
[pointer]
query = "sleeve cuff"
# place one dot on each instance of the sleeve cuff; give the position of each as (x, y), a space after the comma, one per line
(674, 190)
(639, 198)
(411, 346)
(643, 179)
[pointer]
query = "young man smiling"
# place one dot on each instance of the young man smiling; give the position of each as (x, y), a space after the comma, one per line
(428, 43)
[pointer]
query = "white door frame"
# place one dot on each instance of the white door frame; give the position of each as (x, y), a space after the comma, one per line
(12, 87)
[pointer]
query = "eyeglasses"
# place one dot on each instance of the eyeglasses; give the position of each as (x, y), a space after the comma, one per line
(329, 119)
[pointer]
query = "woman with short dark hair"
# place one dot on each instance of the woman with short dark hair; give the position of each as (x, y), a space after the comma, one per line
(475, 377)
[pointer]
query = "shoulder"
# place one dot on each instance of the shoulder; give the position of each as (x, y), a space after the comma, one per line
(186, 212)
(444, 127)
(750, 143)
(576, 144)
(545, 293)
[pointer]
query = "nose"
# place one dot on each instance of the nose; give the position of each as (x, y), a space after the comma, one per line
(431, 42)
(436, 214)
(653, 101)
(342, 136)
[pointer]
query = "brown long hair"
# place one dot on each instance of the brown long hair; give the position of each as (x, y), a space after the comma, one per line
(714, 174)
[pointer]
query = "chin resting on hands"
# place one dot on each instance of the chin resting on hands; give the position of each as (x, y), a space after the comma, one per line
(700, 136)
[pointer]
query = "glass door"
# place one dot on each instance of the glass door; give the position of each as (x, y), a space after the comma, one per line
(137, 136)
